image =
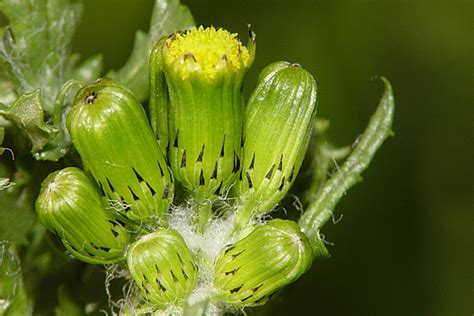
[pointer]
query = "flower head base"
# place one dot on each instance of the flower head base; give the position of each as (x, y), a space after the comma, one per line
(208, 50)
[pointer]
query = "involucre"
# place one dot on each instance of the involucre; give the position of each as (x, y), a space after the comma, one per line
(109, 129)
(69, 204)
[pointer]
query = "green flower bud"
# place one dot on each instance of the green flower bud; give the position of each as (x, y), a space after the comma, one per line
(163, 267)
(204, 70)
(69, 204)
(269, 258)
(109, 129)
(278, 123)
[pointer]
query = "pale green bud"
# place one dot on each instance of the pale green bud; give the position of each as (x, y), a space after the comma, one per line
(69, 204)
(277, 128)
(163, 267)
(270, 257)
(109, 129)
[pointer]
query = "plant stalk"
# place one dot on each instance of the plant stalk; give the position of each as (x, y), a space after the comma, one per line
(378, 129)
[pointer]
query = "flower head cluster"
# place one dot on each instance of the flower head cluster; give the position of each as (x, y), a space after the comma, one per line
(200, 136)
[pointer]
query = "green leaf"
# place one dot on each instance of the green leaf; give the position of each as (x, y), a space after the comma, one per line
(54, 150)
(89, 70)
(378, 129)
(13, 299)
(324, 156)
(15, 220)
(60, 144)
(27, 113)
(35, 56)
(132, 74)
(48, 142)
(35, 48)
(7, 95)
(168, 16)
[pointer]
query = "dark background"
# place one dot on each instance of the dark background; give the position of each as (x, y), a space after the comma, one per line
(405, 243)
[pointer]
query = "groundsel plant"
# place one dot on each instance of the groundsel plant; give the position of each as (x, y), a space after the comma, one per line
(180, 200)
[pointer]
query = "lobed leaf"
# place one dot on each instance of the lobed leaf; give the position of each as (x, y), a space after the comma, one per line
(35, 47)
(35, 63)
(168, 16)
(27, 113)
(377, 131)
(15, 220)
(13, 299)
(89, 70)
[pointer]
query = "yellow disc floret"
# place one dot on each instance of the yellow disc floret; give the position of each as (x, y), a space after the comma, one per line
(208, 47)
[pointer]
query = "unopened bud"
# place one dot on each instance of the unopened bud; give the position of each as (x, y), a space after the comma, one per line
(277, 129)
(270, 257)
(163, 267)
(69, 204)
(109, 129)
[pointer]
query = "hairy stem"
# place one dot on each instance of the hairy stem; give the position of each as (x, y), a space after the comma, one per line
(379, 128)
(204, 213)
(324, 156)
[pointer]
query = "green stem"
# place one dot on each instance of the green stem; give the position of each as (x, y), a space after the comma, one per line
(59, 101)
(324, 156)
(203, 213)
(244, 214)
(379, 128)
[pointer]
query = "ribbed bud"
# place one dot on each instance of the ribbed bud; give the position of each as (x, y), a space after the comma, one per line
(278, 124)
(269, 258)
(204, 70)
(69, 204)
(109, 129)
(163, 267)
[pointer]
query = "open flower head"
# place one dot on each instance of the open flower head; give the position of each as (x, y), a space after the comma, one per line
(204, 70)
(207, 50)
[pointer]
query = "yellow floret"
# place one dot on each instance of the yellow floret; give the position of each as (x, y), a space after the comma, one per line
(209, 46)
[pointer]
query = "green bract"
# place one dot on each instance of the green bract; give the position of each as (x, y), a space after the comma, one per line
(270, 257)
(69, 205)
(204, 71)
(277, 129)
(109, 129)
(163, 267)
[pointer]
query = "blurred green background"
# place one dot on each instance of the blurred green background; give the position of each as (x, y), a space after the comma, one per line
(405, 244)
